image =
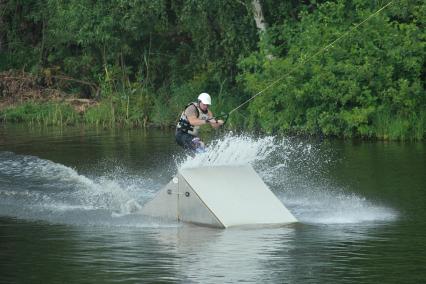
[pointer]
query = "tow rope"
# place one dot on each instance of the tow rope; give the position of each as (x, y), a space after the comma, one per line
(303, 61)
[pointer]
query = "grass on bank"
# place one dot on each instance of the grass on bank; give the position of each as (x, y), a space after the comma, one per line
(410, 127)
(58, 114)
(123, 112)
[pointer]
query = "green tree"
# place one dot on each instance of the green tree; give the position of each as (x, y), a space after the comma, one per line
(368, 84)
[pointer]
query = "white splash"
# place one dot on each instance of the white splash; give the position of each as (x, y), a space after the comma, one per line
(232, 150)
(320, 204)
(44, 186)
(297, 172)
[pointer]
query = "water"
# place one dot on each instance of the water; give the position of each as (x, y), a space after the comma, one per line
(69, 202)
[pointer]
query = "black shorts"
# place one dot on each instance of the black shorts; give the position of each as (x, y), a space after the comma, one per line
(184, 139)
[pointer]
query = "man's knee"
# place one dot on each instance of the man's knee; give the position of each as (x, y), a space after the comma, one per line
(185, 140)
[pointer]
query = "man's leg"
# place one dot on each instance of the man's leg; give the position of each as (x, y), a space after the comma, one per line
(184, 140)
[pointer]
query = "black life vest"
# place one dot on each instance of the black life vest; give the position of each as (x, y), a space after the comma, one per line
(183, 123)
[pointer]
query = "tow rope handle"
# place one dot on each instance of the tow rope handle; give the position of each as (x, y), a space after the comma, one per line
(225, 117)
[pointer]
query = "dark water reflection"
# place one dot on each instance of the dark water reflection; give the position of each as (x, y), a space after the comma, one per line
(381, 238)
(33, 252)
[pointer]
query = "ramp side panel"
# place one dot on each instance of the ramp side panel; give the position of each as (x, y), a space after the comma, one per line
(164, 204)
(237, 195)
(192, 209)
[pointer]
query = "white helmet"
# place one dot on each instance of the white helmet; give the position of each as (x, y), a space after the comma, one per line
(205, 98)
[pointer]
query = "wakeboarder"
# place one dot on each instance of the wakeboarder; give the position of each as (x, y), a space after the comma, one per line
(193, 116)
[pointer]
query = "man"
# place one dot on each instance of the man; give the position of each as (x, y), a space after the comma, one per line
(195, 115)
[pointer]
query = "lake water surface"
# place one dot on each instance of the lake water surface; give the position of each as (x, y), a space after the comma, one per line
(69, 200)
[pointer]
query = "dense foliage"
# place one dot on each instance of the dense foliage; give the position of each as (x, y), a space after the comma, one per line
(370, 83)
(144, 60)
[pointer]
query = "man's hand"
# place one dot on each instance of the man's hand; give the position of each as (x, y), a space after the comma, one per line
(215, 123)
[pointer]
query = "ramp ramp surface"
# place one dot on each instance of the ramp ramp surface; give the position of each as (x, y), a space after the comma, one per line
(219, 196)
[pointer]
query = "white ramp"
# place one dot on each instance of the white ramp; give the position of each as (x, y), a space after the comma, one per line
(220, 196)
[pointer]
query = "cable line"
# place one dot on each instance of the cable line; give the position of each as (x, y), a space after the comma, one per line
(312, 56)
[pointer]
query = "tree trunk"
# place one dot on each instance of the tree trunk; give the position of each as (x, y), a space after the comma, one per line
(260, 23)
(258, 15)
